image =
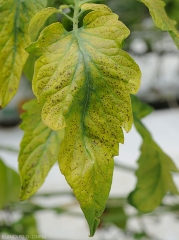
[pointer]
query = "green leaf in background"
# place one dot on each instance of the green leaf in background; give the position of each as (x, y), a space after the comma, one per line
(140, 235)
(140, 109)
(9, 185)
(114, 213)
(172, 7)
(13, 186)
(130, 12)
(27, 226)
(3, 184)
(154, 173)
(39, 150)
(29, 67)
(86, 79)
(15, 16)
(160, 18)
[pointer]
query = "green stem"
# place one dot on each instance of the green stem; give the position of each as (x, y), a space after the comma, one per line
(65, 15)
(81, 13)
(75, 16)
(125, 167)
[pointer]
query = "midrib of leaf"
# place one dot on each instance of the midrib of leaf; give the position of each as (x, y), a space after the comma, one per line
(96, 66)
(88, 88)
(87, 79)
(86, 101)
(86, 92)
(15, 35)
(16, 29)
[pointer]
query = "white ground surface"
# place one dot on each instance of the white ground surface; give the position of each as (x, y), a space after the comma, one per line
(164, 126)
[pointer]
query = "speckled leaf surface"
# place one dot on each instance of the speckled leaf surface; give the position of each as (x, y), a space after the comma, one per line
(96, 7)
(86, 79)
(38, 21)
(154, 178)
(160, 18)
(39, 150)
(15, 16)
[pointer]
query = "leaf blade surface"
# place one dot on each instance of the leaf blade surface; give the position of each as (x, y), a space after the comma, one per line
(39, 150)
(86, 79)
(39, 20)
(14, 20)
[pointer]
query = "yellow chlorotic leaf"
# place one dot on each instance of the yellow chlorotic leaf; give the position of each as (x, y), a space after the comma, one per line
(38, 48)
(39, 150)
(15, 16)
(39, 20)
(85, 78)
(96, 7)
(160, 18)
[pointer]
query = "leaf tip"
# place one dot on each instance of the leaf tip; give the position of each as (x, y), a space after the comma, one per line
(94, 226)
(21, 197)
(24, 193)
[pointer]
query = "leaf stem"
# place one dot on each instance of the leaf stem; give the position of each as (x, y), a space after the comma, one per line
(75, 16)
(64, 14)
(79, 14)
(125, 167)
